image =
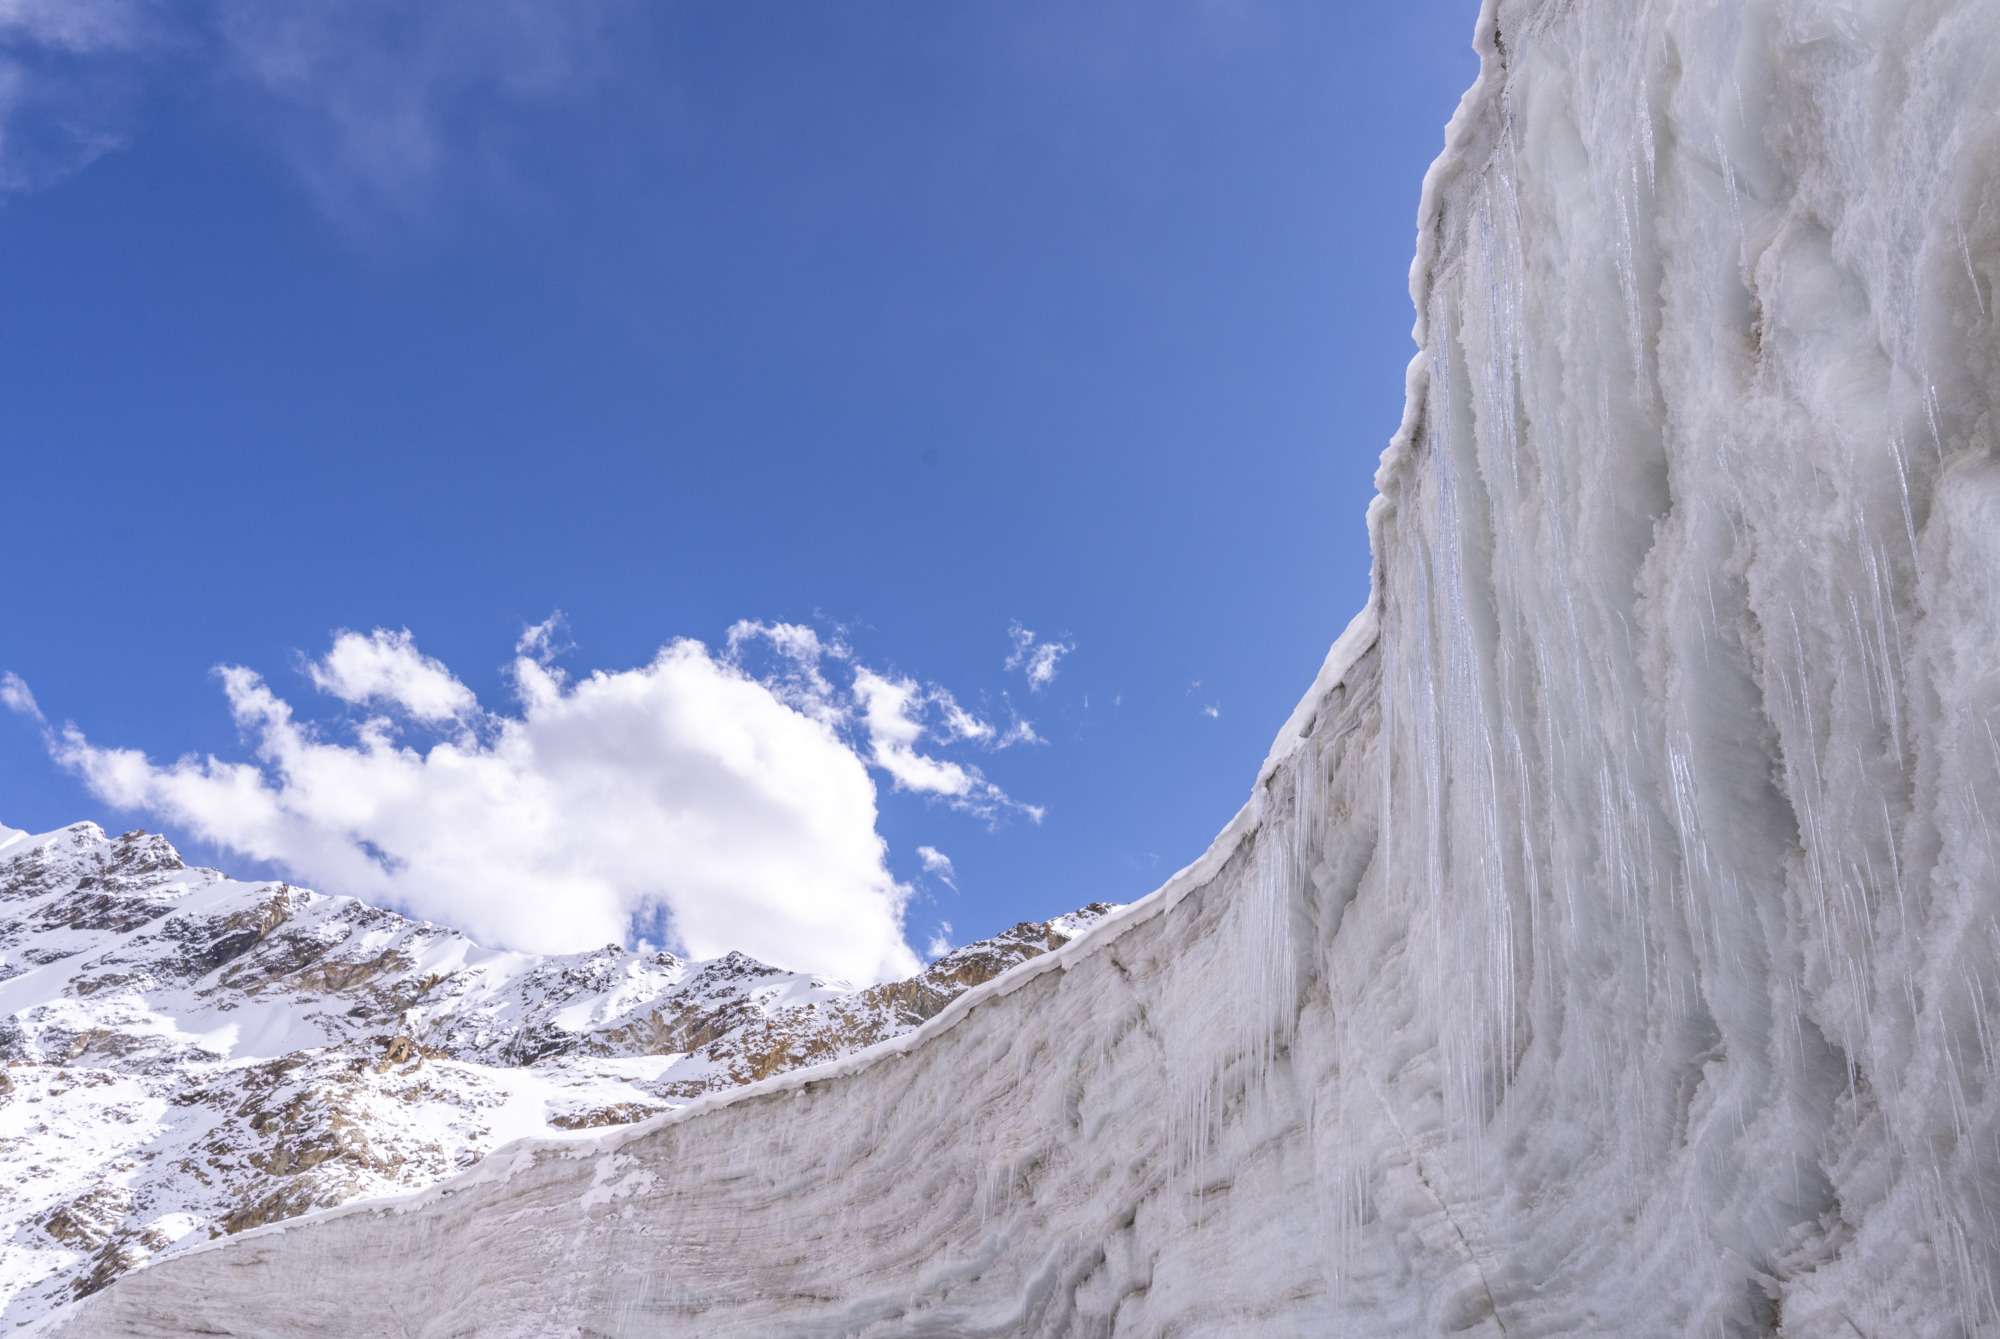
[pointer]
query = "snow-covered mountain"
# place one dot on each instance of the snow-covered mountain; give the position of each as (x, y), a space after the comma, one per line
(188, 1056)
(1611, 943)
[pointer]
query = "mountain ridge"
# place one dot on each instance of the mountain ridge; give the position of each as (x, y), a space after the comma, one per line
(250, 1051)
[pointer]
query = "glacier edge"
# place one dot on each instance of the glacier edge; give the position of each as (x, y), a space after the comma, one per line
(1612, 942)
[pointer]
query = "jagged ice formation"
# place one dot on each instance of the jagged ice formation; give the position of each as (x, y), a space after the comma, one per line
(1610, 944)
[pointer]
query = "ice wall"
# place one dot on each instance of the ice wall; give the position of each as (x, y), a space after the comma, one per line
(1610, 945)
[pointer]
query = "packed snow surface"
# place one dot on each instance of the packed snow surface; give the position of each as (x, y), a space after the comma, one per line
(1610, 943)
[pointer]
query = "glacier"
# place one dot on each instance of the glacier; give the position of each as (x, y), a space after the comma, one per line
(1611, 944)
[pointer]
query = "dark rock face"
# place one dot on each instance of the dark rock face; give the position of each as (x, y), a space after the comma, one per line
(924, 997)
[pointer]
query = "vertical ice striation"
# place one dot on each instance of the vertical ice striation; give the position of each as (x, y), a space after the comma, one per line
(1612, 943)
(1689, 557)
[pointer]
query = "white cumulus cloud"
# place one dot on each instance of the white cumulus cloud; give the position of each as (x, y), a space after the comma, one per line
(386, 669)
(738, 806)
(684, 786)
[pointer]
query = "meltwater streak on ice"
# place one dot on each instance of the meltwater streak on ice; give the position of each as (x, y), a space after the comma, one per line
(1612, 943)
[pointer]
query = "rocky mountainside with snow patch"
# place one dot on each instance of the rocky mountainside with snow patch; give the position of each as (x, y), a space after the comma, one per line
(188, 1056)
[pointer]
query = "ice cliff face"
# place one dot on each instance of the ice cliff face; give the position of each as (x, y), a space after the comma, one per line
(1612, 935)
(187, 1056)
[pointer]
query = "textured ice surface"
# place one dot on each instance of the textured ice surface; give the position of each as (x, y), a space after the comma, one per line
(1609, 947)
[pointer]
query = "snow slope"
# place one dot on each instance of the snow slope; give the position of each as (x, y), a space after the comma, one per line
(187, 1056)
(1610, 943)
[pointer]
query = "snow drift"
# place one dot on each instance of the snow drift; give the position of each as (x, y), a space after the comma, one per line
(1610, 944)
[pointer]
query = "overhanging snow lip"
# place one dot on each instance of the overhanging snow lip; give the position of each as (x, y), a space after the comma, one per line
(1353, 642)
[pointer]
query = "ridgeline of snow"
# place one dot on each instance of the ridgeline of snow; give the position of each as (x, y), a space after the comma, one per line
(1610, 945)
(186, 1056)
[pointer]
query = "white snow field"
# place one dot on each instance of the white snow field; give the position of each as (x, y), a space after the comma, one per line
(1611, 944)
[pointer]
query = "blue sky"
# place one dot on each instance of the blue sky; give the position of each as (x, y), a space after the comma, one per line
(908, 323)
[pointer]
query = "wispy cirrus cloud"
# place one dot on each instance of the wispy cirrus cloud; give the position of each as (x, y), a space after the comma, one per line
(68, 79)
(1036, 660)
(893, 713)
(940, 942)
(938, 863)
(890, 717)
(14, 696)
(72, 25)
(374, 105)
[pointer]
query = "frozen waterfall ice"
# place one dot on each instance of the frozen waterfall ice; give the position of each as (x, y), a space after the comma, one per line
(1612, 942)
